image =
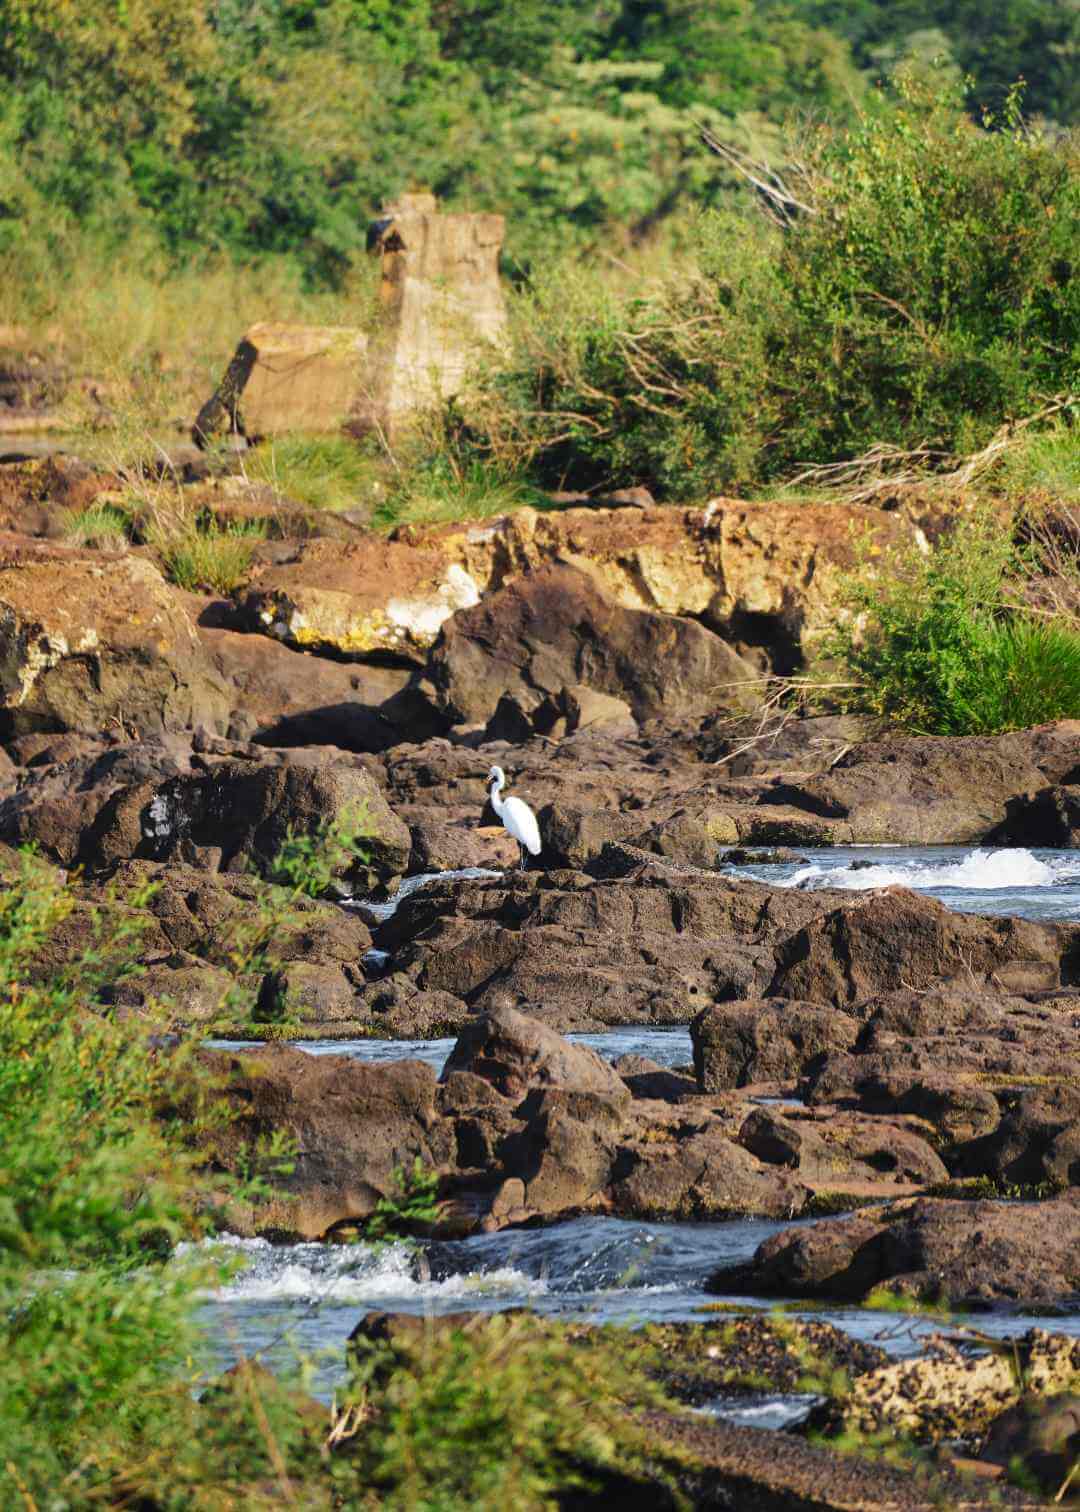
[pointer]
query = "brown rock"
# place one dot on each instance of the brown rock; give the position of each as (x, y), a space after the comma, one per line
(216, 804)
(927, 1248)
(1041, 1433)
(353, 1125)
(515, 1053)
(934, 790)
(895, 938)
(738, 1043)
(554, 628)
(89, 642)
(1037, 1141)
(280, 697)
(835, 1152)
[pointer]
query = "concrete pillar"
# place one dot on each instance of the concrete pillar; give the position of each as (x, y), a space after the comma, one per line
(441, 304)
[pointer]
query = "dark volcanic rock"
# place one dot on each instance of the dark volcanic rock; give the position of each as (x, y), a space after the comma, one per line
(281, 697)
(554, 628)
(896, 938)
(835, 1151)
(1041, 1433)
(926, 1248)
(514, 1053)
(764, 1040)
(934, 790)
(352, 1125)
(960, 1109)
(649, 947)
(1036, 1141)
(212, 803)
(1048, 817)
(522, 1126)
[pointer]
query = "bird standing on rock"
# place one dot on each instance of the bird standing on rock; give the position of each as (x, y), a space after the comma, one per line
(517, 817)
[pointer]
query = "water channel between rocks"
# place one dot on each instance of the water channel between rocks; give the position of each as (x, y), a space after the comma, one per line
(304, 1299)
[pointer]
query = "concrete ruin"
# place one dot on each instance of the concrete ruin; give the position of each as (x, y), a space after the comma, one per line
(440, 302)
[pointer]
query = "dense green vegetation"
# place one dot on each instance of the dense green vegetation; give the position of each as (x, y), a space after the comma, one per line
(947, 642)
(274, 128)
(926, 295)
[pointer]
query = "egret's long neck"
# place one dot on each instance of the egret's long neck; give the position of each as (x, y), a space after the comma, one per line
(496, 789)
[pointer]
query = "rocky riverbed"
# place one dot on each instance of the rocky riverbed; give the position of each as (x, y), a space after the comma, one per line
(695, 1051)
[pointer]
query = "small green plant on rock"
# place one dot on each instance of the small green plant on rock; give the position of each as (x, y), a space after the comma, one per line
(310, 863)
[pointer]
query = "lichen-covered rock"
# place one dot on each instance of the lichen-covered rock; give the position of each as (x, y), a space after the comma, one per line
(953, 1393)
(758, 575)
(376, 597)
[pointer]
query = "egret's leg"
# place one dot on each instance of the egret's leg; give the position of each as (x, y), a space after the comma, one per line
(521, 866)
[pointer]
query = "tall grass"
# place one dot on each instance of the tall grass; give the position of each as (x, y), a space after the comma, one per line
(215, 559)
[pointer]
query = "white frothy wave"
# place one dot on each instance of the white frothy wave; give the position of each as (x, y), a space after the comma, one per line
(980, 870)
(319, 1273)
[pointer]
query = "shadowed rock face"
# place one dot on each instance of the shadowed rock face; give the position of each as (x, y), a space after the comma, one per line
(213, 803)
(937, 790)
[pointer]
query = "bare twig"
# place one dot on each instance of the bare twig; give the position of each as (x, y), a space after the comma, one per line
(345, 1423)
(780, 203)
(885, 470)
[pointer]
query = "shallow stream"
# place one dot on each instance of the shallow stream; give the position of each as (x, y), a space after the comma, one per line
(304, 1299)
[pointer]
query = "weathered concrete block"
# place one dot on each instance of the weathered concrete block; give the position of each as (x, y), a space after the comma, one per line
(441, 297)
(287, 378)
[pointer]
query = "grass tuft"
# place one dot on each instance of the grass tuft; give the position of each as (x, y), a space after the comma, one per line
(439, 493)
(101, 527)
(323, 472)
(216, 560)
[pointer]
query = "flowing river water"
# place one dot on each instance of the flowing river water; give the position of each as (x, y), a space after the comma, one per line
(302, 1300)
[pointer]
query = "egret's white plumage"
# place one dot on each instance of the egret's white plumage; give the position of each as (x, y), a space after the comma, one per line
(517, 817)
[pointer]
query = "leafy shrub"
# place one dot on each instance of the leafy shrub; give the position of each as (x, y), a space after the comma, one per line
(941, 644)
(104, 1141)
(513, 1414)
(926, 296)
(311, 863)
(90, 1184)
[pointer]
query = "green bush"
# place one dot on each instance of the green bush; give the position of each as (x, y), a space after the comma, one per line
(926, 297)
(93, 1339)
(941, 643)
(511, 1415)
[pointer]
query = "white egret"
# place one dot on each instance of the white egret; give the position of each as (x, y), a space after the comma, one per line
(517, 817)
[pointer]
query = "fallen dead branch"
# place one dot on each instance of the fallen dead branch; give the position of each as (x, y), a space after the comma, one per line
(884, 471)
